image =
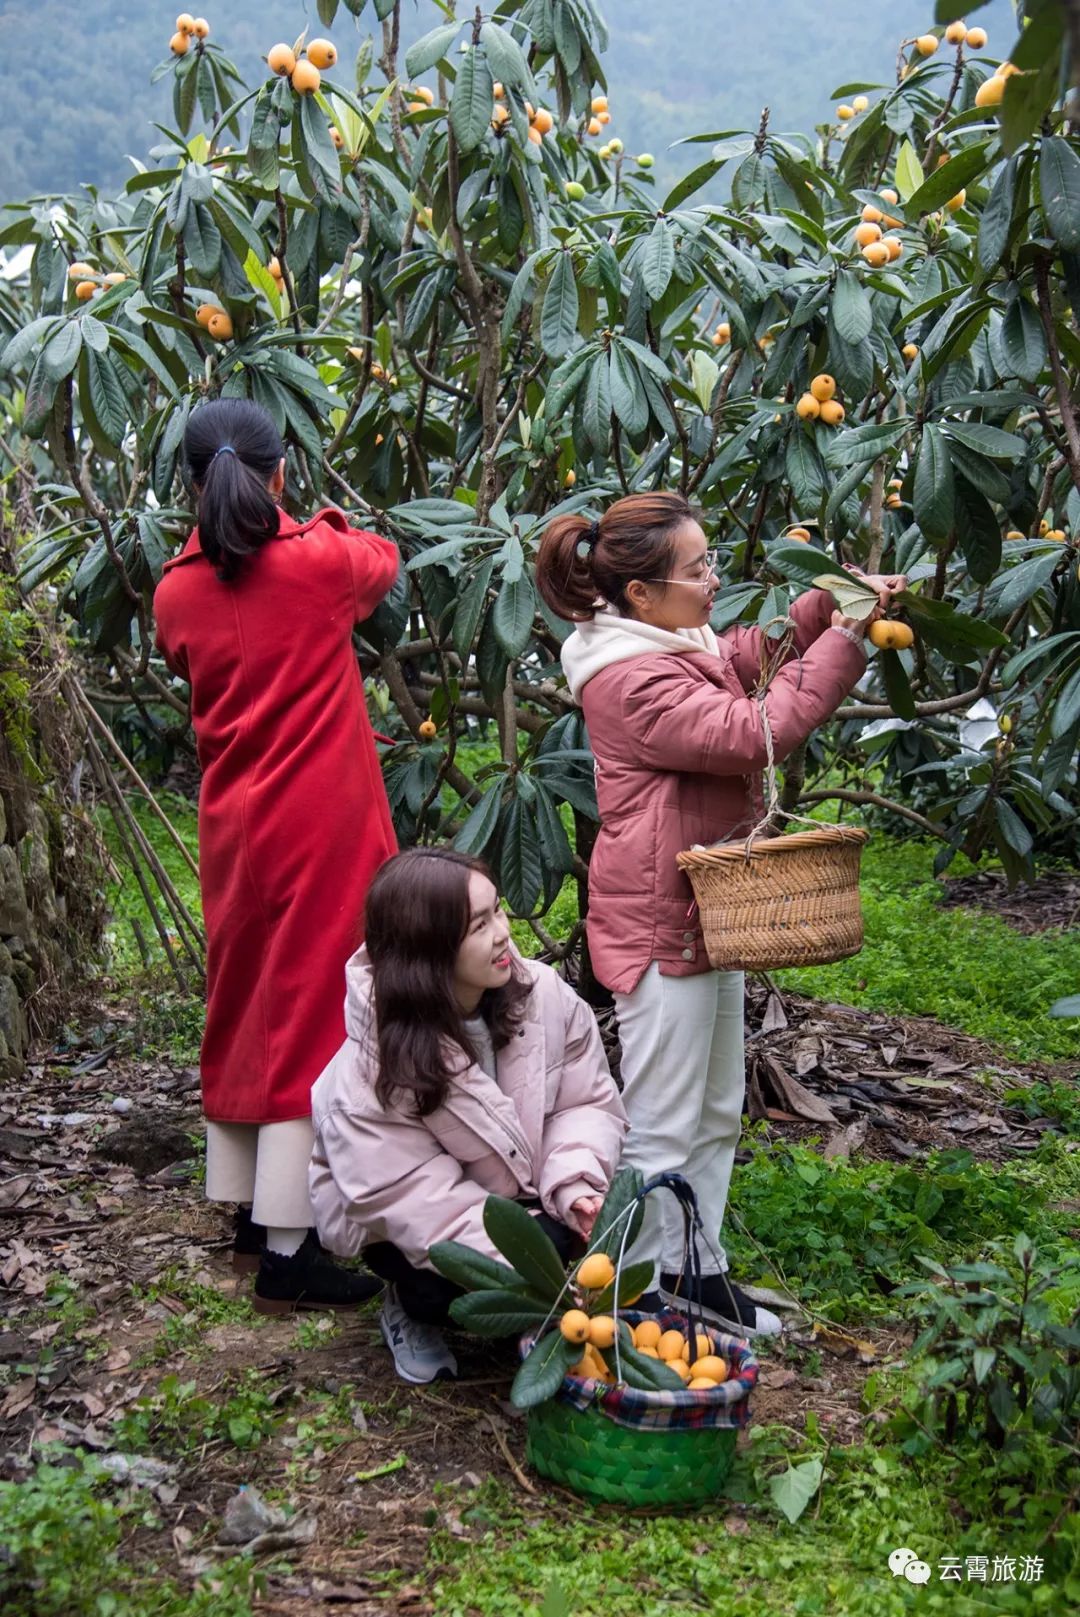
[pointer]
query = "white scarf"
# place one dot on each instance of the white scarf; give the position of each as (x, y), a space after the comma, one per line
(609, 638)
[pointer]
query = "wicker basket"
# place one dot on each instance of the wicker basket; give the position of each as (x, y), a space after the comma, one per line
(779, 901)
(583, 1439)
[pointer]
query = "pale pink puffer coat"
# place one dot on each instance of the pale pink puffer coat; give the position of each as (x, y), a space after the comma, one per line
(679, 748)
(552, 1127)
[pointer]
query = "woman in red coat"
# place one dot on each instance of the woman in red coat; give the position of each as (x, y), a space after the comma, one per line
(257, 614)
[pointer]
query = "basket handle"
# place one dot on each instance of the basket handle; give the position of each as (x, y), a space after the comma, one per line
(692, 1228)
(773, 810)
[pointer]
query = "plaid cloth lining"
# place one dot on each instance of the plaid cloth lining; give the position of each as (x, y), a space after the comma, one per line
(727, 1406)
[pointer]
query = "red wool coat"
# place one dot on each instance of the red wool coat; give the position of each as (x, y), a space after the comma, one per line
(293, 816)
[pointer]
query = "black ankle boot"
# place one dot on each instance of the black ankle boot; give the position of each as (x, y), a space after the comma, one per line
(249, 1243)
(309, 1279)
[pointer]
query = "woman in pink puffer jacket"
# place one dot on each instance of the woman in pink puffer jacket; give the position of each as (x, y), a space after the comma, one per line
(467, 1072)
(679, 746)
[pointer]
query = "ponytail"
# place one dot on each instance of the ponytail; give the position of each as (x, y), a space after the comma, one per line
(232, 449)
(581, 562)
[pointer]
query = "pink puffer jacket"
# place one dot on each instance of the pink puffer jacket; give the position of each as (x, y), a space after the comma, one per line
(679, 748)
(551, 1127)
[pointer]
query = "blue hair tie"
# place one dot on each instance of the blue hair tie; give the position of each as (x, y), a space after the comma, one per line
(225, 449)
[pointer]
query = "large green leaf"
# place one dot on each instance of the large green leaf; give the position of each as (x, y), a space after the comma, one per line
(521, 865)
(61, 353)
(658, 259)
(909, 173)
(997, 216)
(628, 398)
(934, 486)
(430, 49)
(506, 57)
(1059, 184)
(513, 613)
(1022, 340)
(470, 108)
(478, 830)
(559, 316)
(527, 1249)
(541, 1374)
(851, 310)
(793, 1489)
(638, 1370)
(953, 177)
(498, 1313)
(978, 531)
(954, 634)
(897, 685)
(633, 1280)
(986, 440)
(611, 1221)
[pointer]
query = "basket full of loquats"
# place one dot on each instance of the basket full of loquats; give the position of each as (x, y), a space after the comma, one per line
(625, 1406)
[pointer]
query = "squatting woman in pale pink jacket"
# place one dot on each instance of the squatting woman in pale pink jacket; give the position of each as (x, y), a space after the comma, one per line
(467, 1071)
(679, 748)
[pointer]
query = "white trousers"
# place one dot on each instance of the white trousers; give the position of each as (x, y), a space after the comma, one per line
(264, 1165)
(684, 1075)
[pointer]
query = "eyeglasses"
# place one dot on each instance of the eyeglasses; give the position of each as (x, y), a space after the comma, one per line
(711, 559)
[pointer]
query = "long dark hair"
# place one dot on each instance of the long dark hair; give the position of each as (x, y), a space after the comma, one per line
(416, 918)
(580, 560)
(232, 449)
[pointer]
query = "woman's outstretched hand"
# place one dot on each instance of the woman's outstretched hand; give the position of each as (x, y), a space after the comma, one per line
(585, 1211)
(886, 584)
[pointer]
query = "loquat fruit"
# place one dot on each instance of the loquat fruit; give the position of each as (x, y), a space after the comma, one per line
(808, 408)
(543, 121)
(955, 203)
(645, 160)
(649, 1352)
(185, 23)
(79, 271)
(220, 326)
(910, 350)
(530, 111)
(844, 113)
(894, 502)
(305, 78)
(956, 33)
(723, 331)
(604, 152)
(860, 103)
(823, 386)
(337, 139)
(1057, 534)
(867, 232)
(800, 535)
(927, 44)
(602, 1330)
(574, 1324)
(888, 195)
(281, 59)
(498, 92)
(575, 190)
(680, 1367)
(889, 635)
(85, 290)
(599, 103)
(872, 215)
(711, 1365)
(1005, 70)
(603, 117)
(201, 29)
(570, 479)
(595, 1272)
(1044, 528)
(1005, 724)
(616, 146)
(990, 93)
(701, 1384)
(703, 1349)
(421, 93)
(500, 115)
(976, 38)
(594, 126)
(323, 53)
(832, 412)
(1014, 533)
(274, 267)
(893, 246)
(206, 312)
(115, 278)
(428, 730)
(876, 254)
(670, 1345)
(535, 136)
(647, 1334)
(180, 44)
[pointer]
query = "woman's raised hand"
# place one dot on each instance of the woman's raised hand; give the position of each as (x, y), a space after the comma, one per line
(886, 584)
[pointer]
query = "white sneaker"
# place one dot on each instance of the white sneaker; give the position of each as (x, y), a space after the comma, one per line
(419, 1351)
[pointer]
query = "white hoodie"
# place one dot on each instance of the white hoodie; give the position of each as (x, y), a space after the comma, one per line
(610, 638)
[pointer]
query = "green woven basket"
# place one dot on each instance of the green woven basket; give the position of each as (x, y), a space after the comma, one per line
(628, 1465)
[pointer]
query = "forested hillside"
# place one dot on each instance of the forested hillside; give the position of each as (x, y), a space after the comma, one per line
(676, 65)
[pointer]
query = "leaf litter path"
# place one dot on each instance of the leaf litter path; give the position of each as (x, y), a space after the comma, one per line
(115, 1276)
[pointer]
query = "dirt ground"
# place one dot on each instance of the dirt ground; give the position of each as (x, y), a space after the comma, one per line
(115, 1274)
